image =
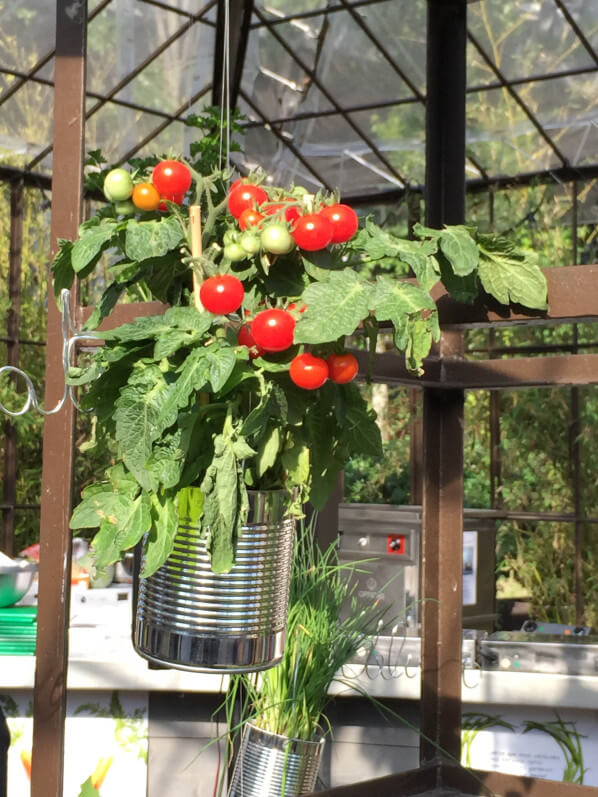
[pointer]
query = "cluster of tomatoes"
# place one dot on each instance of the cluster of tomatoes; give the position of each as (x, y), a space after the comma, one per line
(277, 227)
(274, 227)
(170, 182)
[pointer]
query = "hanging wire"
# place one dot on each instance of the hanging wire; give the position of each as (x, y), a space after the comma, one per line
(70, 336)
(225, 92)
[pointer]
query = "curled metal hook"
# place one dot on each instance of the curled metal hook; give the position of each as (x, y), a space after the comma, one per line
(70, 336)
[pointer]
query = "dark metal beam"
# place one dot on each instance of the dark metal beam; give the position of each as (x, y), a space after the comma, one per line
(9, 482)
(49, 700)
(443, 419)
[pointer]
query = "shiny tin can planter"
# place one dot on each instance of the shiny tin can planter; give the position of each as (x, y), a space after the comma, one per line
(267, 763)
(190, 618)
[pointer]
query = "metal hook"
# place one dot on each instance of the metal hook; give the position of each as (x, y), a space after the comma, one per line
(69, 338)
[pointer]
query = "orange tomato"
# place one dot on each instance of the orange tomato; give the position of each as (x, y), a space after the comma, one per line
(146, 196)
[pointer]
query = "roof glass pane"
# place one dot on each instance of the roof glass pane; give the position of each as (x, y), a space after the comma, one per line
(28, 33)
(262, 149)
(399, 132)
(567, 108)
(502, 138)
(116, 130)
(275, 83)
(26, 123)
(524, 39)
(400, 26)
(176, 76)
(284, 8)
(124, 35)
(584, 14)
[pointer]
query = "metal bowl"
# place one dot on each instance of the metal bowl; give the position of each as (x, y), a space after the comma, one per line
(15, 580)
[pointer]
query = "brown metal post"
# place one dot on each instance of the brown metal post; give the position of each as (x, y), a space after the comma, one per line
(55, 559)
(442, 517)
(9, 487)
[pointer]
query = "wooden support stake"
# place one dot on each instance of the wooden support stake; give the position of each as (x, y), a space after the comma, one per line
(196, 249)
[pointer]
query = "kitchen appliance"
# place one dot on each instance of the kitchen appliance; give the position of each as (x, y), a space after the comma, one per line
(385, 540)
(516, 651)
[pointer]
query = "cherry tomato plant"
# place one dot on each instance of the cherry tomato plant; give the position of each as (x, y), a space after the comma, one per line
(245, 381)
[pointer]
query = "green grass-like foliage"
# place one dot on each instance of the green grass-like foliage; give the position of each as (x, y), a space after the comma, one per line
(325, 628)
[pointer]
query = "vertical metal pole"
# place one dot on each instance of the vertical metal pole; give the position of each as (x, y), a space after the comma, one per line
(49, 704)
(415, 397)
(9, 487)
(442, 537)
(575, 451)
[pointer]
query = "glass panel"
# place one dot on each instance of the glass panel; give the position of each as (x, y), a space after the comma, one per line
(284, 8)
(116, 130)
(584, 14)
(183, 70)
(28, 33)
(524, 40)
(125, 34)
(274, 82)
(400, 26)
(26, 123)
(399, 132)
(568, 109)
(501, 137)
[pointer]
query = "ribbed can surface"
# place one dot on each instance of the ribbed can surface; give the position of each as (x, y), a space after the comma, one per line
(267, 760)
(191, 618)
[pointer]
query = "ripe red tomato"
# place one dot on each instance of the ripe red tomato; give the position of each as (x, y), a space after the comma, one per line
(145, 196)
(313, 232)
(245, 196)
(343, 367)
(176, 198)
(344, 222)
(222, 294)
(249, 218)
(308, 372)
(291, 212)
(171, 178)
(273, 330)
(245, 338)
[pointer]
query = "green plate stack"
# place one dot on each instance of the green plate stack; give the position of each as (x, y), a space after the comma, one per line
(18, 629)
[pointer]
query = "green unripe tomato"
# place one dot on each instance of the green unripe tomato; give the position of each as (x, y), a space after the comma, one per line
(118, 185)
(230, 237)
(250, 243)
(276, 238)
(125, 208)
(234, 252)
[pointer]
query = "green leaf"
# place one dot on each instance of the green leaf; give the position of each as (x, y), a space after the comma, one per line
(88, 247)
(334, 307)
(122, 481)
(360, 429)
(165, 464)
(460, 249)
(319, 265)
(147, 239)
(190, 501)
(98, 506)
(221, 505)
(419, 257)
(62, 269)
(160, 540)
(393, 300)
(220, 360)
(105, 306)
(296, 463)
(118, 533)
(511, 275)
(268, 450)
(140, 417)
(87, 790)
